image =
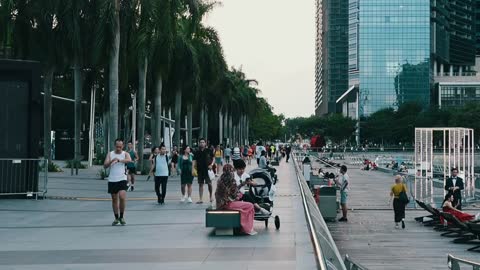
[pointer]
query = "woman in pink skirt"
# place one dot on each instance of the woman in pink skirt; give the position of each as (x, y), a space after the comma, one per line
(226, 196)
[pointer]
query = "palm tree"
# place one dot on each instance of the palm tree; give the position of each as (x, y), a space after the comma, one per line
(107, 34)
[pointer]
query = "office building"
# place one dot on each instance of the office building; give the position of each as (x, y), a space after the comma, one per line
(410, 50)
(389, 52)
(331, 54)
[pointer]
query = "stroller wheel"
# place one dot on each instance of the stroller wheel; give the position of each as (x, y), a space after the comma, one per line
(266, 223)
(277, 222)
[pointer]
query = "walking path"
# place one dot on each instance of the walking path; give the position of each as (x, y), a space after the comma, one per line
(76, 233)
(371, 239)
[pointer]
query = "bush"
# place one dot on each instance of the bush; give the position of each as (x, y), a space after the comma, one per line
(102, 173)
(99, 158)
(78, 164)
(52, 167)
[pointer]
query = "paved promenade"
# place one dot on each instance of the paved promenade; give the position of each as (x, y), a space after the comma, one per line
(75, 233)
(371, 239)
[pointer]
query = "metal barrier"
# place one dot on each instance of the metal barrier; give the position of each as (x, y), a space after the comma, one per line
(351, 265)
(326, 252)
(454, 263)
(23, 177)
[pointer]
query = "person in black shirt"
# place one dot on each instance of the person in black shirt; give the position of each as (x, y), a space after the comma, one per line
(203, 161)
(455, 186)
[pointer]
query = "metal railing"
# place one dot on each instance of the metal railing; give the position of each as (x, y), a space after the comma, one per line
(326, 252)
(23, 177)
(352, 265)
(455, 263)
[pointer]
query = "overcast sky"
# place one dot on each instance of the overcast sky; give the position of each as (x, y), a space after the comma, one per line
(274, 42)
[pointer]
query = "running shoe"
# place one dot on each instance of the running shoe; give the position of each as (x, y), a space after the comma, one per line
(122, 221)
(116, 222)
(189, 200)
(252, 233)
(182, 199)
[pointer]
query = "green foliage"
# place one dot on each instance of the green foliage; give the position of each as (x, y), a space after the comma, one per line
(99, 158)
(75, 164)
(52, 167)
(266, 125)
(334, 127)
(102, 173)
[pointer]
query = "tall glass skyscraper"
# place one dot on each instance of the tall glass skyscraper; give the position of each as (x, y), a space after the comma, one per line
(331, 54)
(389, 52)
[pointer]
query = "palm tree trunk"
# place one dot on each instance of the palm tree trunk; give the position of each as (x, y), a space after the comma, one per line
(157, 133)
(178, 116)
(206, 123)
(220, 126)
(47, 115)
(202, 121)
(113, 75)
(106, 137)
(230, 129)
(248, 129)
(189, 123)
(78, 81)
(142, 82)
(225, 127)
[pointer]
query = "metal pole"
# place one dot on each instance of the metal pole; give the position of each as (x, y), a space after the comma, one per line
(444, 160)
(472, 168)
(91, 133)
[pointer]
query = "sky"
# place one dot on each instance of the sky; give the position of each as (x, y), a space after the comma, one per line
(273, 41)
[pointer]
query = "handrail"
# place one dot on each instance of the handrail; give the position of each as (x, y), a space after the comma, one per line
(454, 263)
(352, 265)
(316, 245)
(323, 244)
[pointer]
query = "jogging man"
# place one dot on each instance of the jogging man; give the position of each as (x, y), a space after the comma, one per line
(131, 169)
(117, 180)
(203, 161)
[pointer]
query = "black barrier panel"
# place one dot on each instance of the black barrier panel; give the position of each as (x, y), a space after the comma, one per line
(19, 176)
(21, 113)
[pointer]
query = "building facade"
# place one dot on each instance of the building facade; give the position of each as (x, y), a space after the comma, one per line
(397, 51)
(332, 54)
(389, 52)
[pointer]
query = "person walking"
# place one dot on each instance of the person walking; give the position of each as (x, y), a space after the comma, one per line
(258, 151)
(161, 173)
(227, 153)
(342, 181)
(203, 161)
(398, 205)
(117, 180)
(174, 160)
(455, 185)
(287, 152)
(185, 163)
(131, 169)
(250, 155)
(263, 164)
(218, 159)
(154, 152)
(236, 154)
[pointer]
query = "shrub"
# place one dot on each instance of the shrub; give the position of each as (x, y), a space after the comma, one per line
(78, 164)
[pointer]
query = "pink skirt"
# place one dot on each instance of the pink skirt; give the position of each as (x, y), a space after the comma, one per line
(247, 212)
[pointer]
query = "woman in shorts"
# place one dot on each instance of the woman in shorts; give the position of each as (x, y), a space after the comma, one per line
(218, 154)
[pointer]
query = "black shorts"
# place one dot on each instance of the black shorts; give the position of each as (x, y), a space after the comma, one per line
(115, 187)
(132, 170)
(203, 178)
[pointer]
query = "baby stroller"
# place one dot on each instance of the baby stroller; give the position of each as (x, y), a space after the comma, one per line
(264, 194)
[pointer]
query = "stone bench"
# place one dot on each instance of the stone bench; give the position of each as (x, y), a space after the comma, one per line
(224, 221)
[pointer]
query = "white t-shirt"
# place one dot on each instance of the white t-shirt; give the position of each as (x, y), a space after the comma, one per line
(236, 153)
(241, 179)
(344, 182)
(259, 150)
(117, 170)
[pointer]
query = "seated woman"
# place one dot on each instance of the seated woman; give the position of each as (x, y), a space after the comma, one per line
(448, 207)
(226, 197)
